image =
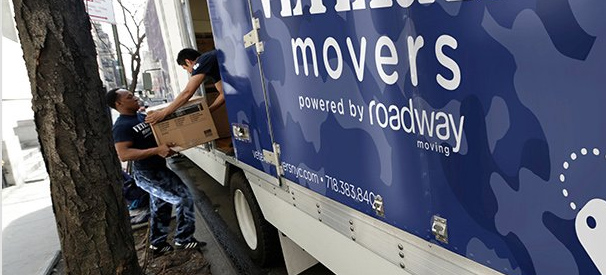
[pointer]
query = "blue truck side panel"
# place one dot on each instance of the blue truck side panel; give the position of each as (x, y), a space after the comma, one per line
(242, 81)
(487, 113)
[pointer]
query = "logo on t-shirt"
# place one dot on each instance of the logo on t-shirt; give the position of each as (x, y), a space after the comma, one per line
(143, 128)
(196, 66)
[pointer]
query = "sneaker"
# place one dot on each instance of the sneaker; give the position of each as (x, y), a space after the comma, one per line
(160, 249)
(192, 244)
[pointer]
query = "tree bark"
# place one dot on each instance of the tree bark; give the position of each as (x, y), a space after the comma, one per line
(135, 66)
(73, 126)
(135, 61)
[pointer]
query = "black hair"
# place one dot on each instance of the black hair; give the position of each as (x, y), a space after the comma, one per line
(187, 53)
(111, 97)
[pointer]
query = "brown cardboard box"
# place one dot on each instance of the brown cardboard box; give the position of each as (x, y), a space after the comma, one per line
(187, 127)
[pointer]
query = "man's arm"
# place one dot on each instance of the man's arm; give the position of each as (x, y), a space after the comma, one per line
(192, 85)
(126, 152)
(220, 98)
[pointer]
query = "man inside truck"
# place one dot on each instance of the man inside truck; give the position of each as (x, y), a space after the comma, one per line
(134, 141)
(200, 66)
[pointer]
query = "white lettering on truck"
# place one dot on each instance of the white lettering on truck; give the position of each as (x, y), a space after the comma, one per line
(384, 63)
(421, 122)
(433, 125)
(317, 6)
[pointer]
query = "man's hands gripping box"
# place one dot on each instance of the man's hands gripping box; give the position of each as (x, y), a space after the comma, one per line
(189, 126)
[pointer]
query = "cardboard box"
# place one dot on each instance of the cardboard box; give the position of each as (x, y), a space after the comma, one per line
(188, 126)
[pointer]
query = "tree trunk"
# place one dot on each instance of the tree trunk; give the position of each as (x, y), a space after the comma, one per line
(135, 62)
(135, 65)
(73, 125)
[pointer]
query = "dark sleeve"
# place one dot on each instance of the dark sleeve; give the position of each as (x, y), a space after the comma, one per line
(207, 64)
(123, 132)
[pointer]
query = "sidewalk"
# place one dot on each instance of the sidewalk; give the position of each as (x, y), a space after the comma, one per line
(29, 236)
(29, 233)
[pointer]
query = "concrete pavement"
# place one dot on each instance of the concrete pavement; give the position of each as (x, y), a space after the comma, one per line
(29, 234)
(30, 242)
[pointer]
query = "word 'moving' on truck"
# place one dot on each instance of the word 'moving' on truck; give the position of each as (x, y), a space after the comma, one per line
(408, 137)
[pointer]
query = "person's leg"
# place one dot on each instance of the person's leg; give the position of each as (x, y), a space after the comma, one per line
(160, 209)
(160, 221)
(184, 206)
(170, 188)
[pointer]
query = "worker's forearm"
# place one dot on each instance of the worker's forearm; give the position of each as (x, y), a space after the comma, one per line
(220, 100)
(181, 99)
(193, 85)
(137, 154)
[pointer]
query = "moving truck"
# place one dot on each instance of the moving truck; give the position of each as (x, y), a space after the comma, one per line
(407, 136)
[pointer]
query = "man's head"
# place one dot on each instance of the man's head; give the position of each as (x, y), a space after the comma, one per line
(187, 58)
(122, 101)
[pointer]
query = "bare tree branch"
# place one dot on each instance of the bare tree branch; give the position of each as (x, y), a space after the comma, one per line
(124, 11)
(127, 48)
(137, 37)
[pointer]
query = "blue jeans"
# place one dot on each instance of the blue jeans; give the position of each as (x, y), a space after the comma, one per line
(166, 189)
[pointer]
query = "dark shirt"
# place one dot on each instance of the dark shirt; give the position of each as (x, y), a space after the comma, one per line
(134, 129)
(207, 64)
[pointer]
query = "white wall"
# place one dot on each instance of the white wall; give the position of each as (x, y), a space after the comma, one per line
(16, 103)
(176, 38)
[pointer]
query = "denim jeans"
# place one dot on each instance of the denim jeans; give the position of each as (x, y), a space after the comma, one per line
(166, 189)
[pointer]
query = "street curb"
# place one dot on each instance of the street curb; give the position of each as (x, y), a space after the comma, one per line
(229, 250)
(51, 264)
(232, 253)
(220, 255)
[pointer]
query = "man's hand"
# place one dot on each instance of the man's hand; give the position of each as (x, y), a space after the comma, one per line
(154, 117)
(165, 151)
